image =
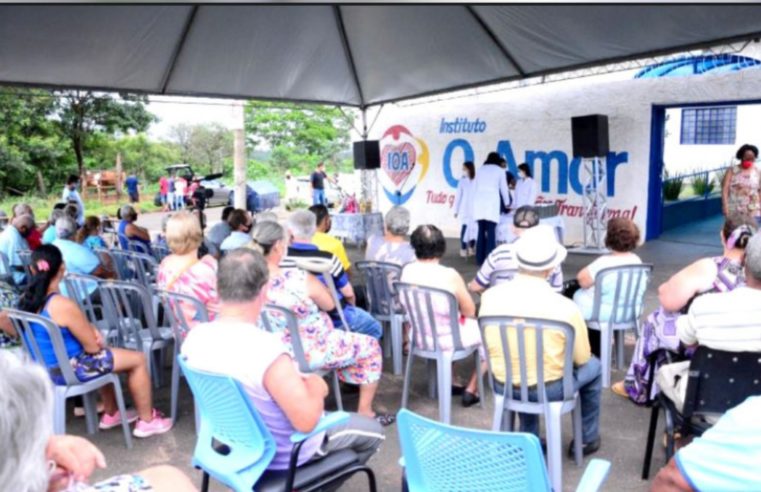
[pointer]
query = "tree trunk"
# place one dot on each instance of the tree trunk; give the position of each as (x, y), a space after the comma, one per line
(79, 153)
(41, 184)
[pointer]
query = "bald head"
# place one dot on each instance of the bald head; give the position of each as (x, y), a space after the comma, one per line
(23, 223)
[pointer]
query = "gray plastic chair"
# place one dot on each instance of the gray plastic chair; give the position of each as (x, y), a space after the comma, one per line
(76, 286)
(136, 267)
(322, 267)
(417, 301)
(383, 303)
(73, 387)
(129, 307)
(174, 304)
(6, 275)
(160, 251)
(25, 255)
(499, 276)
(138, 247)
(630, 285)
(292, 325)
(517, 399)
(119, 263)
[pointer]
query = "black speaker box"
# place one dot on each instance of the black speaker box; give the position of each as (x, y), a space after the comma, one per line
(367, 154)
(590, 135)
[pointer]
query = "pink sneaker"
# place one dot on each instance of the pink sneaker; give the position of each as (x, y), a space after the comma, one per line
(110, 421)
(158, 425)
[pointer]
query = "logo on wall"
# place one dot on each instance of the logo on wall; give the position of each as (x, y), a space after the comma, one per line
(405, 159)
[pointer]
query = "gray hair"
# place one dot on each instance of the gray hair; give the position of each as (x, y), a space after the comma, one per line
(65, 227)
(266, 234)
(303, 224)
(241, 275)
(753, 257)
(22, 209)
(26, 424)
(398, 221)
(56, 214)
(23, 221)
(72, 210)
(127, 212)
(266, 217)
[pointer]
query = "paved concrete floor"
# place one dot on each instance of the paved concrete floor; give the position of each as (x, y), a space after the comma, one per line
(623, 425)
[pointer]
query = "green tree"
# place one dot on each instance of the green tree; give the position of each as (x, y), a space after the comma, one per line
(83, 113)
(299, 135)
(205, 147)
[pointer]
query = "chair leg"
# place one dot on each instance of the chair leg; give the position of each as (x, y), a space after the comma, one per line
(175, 390)
(578, 434)
(91, 412)
(620, 336)
(396, 344)
(554, 433)
(205, 482)
(480, 381)
(123, 411)
(386, 338)
(650, 442)
(432, 373)
(406, 383)
(59, 414)
(498, 420)
(605, 354)
(444, 380)
(337, 392)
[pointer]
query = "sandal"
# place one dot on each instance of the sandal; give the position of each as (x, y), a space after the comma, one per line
(620, 389)
(385, 419)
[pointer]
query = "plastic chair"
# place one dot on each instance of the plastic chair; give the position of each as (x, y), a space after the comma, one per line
(22, 323)
(718, 381)
(130, 307)
(160, 251)
(500, 276)
(138, 247)
(246, 447)
(383, 303)
(445, 458)
(25, 256)
(322, 268)
(418, 301)
(626, 308)
(6, 275)
(272, 312)
(119, 263)
(528, 332)
(78, 287)
(131, 266)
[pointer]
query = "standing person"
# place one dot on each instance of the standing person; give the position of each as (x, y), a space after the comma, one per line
(164, 193)
(170, 182)
(490, 184)
(463, 210)
(741, 187)
(131, 183)
(180, 186)
(70, 193)
(525, 187)
(318, 185)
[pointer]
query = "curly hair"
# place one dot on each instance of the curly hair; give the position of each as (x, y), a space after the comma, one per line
(622, 236)
(428, 242)
(742, 150)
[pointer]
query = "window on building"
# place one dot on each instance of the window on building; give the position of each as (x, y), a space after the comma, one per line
(709, 126)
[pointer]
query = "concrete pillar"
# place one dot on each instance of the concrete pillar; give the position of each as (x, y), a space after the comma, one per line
(239, 157)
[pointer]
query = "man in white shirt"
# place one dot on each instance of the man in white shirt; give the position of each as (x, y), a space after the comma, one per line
(287, 401)
(70, 194)
(728, 321)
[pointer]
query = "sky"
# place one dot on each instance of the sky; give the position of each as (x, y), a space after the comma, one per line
(190, 110)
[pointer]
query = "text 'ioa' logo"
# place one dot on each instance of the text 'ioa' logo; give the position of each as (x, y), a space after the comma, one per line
(405, 160)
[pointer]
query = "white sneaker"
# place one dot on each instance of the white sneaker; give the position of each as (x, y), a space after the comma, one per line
(463, 253)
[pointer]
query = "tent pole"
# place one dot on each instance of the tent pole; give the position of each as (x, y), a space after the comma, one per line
(368, 177)
(239, 156)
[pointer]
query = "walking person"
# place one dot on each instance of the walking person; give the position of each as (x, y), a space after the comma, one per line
(132, 185)
(490, 184)
(463, 210)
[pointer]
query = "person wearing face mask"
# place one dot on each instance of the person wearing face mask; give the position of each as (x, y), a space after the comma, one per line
(741, 187)
(13, 240)
(525, 187)
(463, 210)
(240, 224)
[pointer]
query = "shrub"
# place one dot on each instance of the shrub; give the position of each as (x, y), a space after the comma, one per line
(672, 186)
(702, 184)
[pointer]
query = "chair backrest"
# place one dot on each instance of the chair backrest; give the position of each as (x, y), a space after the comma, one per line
(422, 305)
(176, 306)
(228, 416)
(137, 247)
(444, 457)
(322, 267)
(623, 289)
(119, 263)
(160, 251)
(129, 306)
(527, 339)
(499, 276)
(380, 278)
(131, 266)
(78, 287)
(122, 241)
(22, 323)
(720, 380)
(274, 319)
(6, 274)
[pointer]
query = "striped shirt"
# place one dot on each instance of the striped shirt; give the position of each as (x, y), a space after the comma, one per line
(310, 251)
(503, 259)
(728, 321)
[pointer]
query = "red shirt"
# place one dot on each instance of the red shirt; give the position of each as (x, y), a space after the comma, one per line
(34, 239)
(163, 185)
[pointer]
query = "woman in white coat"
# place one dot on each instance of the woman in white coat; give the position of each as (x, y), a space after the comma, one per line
(490, 184)
(463, 210)
(525, 188)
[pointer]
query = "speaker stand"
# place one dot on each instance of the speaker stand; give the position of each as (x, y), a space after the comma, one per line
(369, 188)
(594, 196)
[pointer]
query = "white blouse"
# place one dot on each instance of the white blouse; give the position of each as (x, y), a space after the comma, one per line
(525, 192)
(463, 203)
(489, 184)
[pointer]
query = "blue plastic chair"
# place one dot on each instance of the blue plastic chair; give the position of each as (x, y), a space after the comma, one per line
(445, 458)
(245, 447)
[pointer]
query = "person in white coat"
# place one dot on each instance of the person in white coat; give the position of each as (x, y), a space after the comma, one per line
(525, 189)
(490, 184)
(463, 210)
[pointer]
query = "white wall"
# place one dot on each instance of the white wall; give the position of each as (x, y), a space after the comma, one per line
(537, 119)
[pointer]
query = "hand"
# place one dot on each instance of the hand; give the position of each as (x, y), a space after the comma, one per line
(75, 458)
(315, 384)
(99, 339)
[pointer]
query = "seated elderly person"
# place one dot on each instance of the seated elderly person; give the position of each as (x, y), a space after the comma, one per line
(728, 321)
(393, 246)
(538, 253)
(356, 357)
(429, 245)
(85, 346)
(287, 401)
(302, 225)
(35, 459)
(183, 272)
(325, 241)
(128, 230)
(34, 238)
(503, 260)
(78, 257)
(622, 238)
(240, 224)
(219, 232)
(48, 235)
(13, 240)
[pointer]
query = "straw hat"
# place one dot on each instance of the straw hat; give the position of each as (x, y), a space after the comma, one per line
(538, 249)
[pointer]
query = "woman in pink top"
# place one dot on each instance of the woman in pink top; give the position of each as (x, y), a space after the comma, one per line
(183, 272)
(430, 246)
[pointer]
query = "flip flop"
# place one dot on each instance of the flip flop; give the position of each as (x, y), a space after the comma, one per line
(385, 419)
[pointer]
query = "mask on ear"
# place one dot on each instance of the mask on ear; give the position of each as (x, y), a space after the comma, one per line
(746, 164)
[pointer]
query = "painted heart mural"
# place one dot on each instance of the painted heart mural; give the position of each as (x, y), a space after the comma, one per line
(404, 159)
(398, 162)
